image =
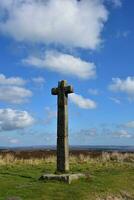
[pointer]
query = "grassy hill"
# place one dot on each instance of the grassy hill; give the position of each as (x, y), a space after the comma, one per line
(110, 178)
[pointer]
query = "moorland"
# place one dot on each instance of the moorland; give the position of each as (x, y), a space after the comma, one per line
(110, 176)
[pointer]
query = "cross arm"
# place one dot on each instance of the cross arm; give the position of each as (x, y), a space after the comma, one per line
(54, 91)
(69, 89)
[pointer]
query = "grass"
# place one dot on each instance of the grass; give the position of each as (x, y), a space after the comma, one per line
(108, 178)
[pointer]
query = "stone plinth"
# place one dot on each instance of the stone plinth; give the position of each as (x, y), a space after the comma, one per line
(67, 178)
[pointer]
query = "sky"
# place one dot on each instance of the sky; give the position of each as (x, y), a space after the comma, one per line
(89, 43)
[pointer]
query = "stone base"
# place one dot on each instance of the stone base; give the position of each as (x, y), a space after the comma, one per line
(67, 178)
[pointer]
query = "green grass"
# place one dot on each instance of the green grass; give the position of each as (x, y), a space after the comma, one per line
(106, 178)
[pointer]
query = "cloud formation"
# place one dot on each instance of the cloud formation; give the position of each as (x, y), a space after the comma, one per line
(11, 81)
(38, 80)
(93, 91)
(122, 134)
(117, 3)
(69, 22)
(82, 102)
(130, 124)
(14, 94)
(11, 90)
(14, 119)
(64, 64)
(123, 85)
(14, 141)
(115, 100)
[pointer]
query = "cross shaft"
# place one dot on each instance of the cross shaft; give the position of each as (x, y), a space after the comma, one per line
(62, 125)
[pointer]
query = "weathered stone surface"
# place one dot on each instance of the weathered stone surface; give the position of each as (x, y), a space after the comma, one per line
(67, 178)
(62, 125)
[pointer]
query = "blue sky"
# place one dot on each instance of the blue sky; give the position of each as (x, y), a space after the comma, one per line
(89, 43)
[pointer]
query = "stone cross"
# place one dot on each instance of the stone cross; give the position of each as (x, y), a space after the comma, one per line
(62, 125)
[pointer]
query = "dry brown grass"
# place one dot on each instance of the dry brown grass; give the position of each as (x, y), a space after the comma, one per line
(124, 196)
(112, 198)
(9, 158)
(118, 157)
(105, 157)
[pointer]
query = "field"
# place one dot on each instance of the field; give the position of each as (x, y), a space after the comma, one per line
(110, 176)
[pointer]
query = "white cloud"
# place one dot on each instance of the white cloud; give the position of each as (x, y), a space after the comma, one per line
(11, 90)
(93, 91)
(115, 3)
(14, 119)
(64, 64)
(11, 81)
(14, 141)
(123, 85)
(69, 22)
(115, 100)
(122, 134)
(14, 94)
(82, 102)
(38, 80)
(130, 124)
(91, 132)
